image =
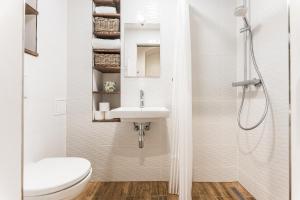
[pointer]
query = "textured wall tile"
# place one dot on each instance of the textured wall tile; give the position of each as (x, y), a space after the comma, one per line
(264, 152)
(212, 156)
(214, 100)
(213, 174)
(127, 174)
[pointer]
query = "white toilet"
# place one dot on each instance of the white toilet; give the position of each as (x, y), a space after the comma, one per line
(56, 178)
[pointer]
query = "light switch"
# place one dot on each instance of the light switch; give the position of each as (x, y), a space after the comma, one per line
(60, 107)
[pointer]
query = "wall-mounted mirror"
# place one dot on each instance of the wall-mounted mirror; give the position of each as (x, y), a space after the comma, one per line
(142, 50)
(148, 60)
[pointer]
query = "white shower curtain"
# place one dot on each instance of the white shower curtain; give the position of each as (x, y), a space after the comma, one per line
(181, 145)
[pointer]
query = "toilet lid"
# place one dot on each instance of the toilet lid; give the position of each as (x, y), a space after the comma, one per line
(54, 174)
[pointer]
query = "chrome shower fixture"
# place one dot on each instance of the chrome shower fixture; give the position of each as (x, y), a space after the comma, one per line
(242, 11)
(256, 82)
(142, 99)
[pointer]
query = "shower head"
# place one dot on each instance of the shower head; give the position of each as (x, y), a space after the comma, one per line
(240, 11)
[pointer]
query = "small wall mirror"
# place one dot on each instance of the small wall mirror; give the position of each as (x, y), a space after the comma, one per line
(142, 50)
(148, 60)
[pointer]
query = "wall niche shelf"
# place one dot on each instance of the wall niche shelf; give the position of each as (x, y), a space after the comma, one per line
(114, 3)
(107, 15)
(33, 53)
(106, 93)
(115, 51)
(108, 35)
(29, 10)
(109, 120)
(106, 71)
(31, 15)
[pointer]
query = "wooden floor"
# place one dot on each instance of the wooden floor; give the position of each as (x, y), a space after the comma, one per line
(159, 191)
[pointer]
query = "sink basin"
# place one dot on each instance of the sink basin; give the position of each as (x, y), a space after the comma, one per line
(137, 114)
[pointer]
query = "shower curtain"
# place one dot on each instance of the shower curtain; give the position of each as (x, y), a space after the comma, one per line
(181, 145)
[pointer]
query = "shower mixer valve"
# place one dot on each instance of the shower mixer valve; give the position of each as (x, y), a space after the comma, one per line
(256, 82)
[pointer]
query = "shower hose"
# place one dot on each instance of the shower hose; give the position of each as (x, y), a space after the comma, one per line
(267, 102)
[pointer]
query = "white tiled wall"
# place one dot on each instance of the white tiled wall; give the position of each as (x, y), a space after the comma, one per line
(113, 147)
(264, 152)
(46, 86)
(295, 111)
(214, 100)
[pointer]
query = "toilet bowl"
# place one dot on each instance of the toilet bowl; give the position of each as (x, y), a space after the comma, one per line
(56, 178)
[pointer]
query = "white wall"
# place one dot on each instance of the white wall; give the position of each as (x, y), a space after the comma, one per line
(213, 33)
(11, 76)
(264, 152)
(113, 147)
(45, 82)
(295, 97)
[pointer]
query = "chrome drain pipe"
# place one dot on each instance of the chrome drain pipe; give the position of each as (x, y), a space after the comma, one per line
(141, 136)
(141, 128)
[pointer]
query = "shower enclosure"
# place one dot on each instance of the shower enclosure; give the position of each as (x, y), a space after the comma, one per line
(247, 42)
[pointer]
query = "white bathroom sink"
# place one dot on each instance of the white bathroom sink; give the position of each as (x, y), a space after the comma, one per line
(137, 114)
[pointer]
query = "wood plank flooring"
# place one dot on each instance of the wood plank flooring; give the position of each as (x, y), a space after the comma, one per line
(159, 191)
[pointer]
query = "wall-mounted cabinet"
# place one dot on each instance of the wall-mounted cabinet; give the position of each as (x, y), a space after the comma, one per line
(31, 14)
(106, 58)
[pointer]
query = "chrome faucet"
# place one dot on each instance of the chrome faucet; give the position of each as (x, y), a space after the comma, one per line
(142, 99)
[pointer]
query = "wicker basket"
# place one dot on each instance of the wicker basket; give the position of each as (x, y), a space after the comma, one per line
(109, 60)
(107, 24)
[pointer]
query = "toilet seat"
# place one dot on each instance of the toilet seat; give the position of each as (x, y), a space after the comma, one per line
(55, 175)
(66, 194)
